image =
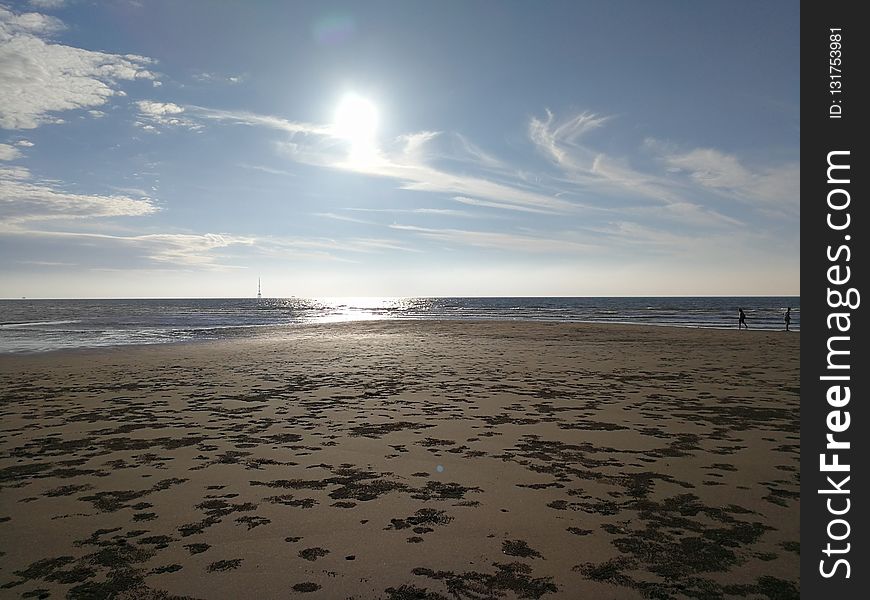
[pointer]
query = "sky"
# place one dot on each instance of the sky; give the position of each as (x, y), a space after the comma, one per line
(420, 148)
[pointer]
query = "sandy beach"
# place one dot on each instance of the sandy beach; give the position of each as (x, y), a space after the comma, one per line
(406, 460)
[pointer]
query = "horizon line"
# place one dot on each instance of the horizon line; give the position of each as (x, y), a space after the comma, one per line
(10, 298)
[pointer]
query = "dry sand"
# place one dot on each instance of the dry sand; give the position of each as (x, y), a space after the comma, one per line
(406, 460)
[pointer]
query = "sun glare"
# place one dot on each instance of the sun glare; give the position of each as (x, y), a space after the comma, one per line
(356, 119)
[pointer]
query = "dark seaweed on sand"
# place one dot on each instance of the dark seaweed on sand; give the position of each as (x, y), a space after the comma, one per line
(511, 577)
(673, 545)
(224, 565)
(313, 553)
(519, 548)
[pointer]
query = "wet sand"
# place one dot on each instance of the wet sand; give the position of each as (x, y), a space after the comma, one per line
(406, 460)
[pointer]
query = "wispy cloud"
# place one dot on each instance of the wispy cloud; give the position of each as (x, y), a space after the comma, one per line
(173, 250)
(503, 241)
(329, 248)
(476, 154)
(269, 170)
(189, 249)
(376, 245)
(337, 217)
(404, 161)
(408, 161)
(446, 212)
(499, 205)
(777, 186)
(556, 140)
(560, 142)
(22, 200)
(39, 78)
(681, 190)
(46, 263)
(255, 120)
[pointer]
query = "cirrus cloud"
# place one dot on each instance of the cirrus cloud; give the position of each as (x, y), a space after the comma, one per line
(23, 200)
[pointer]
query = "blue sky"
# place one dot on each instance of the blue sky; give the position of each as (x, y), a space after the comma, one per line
(398, 148)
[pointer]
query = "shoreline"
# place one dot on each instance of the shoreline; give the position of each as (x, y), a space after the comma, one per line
(390, 460)
(259, 332)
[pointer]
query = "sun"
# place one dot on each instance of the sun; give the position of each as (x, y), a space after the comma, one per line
(356, 120)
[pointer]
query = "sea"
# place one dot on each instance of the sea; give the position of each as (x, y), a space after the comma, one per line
(45, 325)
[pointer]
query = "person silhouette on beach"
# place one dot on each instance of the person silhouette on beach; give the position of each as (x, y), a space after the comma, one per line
(742, 321)
(787, 317)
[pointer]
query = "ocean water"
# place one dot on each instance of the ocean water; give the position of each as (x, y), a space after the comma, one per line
(42, 325)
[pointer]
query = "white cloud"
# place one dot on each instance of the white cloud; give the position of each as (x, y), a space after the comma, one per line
(503, 241)
(652, 239)
(415, 145)
(176, 250)
(448, 212)
(376, 245)
(255, 120)
(187, 249)
(30, 23)
(8, 152)
(776, 187)
(611, 173)
(341, 250)
(39, 78)
(611, 185)
(22, 200)
(46, 4)
(46, 263)
(166, 114)
(206, 77)
(25, 143)
(318, 145)
(561, 143)
(14, 173)
(556, 140)
(158, 109)
(695, 214)
(425, 178)
(336, 217)
(269, 170)
(780, 185)
(712, 168)
(476, 154)
(413, 173)
(499, 205)
(688, 187)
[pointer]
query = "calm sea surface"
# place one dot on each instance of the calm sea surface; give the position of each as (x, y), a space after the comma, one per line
(41, 325)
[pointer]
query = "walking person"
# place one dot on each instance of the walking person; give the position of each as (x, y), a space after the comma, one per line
(787, 317)
(742, 321)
